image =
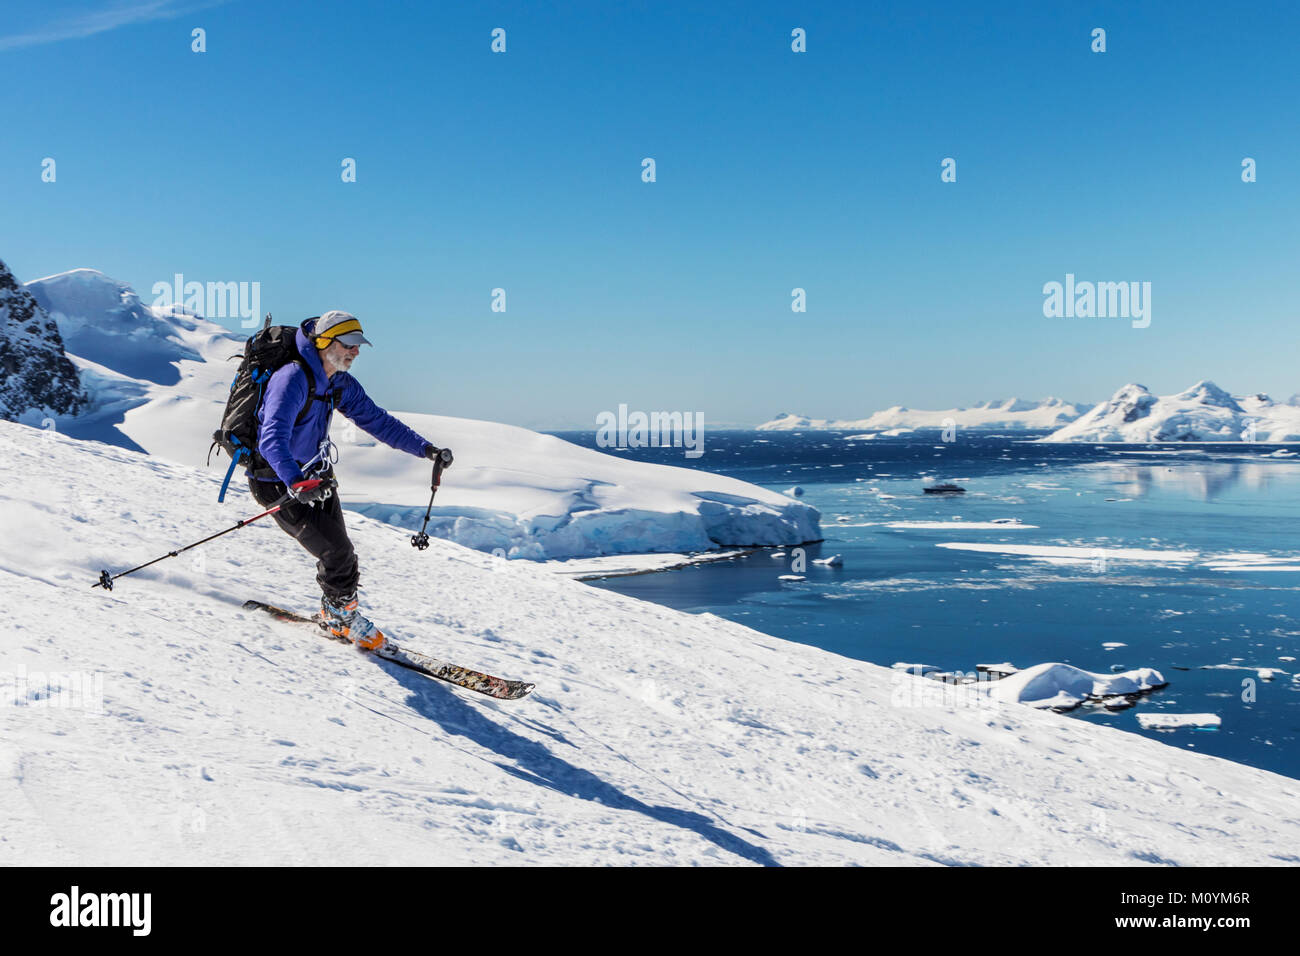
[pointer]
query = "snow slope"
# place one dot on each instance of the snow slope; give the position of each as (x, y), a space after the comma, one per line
(159, 380)
(1203, 412)
(654, 737)
(1013, 413)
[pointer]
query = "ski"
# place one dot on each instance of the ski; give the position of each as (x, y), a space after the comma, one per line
(497, 687)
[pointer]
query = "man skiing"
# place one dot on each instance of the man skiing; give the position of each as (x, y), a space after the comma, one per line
(293, 422)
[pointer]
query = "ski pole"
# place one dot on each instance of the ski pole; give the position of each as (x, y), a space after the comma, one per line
(106, 580)
(420, 541)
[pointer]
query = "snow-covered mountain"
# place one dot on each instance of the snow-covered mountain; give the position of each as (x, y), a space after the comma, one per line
(144, 367)
(162, 724)
(1203, 412)
(37, 380)
(1011, 413)
(104, 322)
(159, 379)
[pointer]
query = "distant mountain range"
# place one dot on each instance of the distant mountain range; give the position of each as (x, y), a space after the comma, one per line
(1011, 413)
(134, 375)
(1203, 412)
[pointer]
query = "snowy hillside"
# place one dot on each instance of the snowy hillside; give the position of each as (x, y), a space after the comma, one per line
(206, 735)
(1012, 413)
(159, 381)
(1203, 412)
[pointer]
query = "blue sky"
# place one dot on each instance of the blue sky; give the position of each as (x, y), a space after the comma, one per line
(775, 170)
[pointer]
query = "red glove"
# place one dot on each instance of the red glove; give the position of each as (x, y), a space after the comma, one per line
(312, 491)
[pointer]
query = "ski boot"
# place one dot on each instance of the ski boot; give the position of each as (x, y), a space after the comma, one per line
(342, 619)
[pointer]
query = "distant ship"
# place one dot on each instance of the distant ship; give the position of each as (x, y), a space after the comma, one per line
(945, 488)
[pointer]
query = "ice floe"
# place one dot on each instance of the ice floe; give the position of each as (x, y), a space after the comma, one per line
(1176, 721)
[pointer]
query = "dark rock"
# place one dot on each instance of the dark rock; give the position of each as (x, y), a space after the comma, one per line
(35, 374)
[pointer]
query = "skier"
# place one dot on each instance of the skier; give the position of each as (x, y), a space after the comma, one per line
(292, 427)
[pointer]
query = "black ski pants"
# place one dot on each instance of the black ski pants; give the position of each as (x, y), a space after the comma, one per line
(321, 531)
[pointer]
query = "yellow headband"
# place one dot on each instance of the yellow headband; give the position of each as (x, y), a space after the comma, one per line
(343, 328)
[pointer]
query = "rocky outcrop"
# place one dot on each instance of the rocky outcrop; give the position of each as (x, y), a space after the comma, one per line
(36, 377)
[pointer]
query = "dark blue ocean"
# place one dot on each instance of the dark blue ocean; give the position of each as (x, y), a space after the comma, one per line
(1194, 601)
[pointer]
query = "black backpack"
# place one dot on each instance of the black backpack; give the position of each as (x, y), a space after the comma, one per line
(271, 348)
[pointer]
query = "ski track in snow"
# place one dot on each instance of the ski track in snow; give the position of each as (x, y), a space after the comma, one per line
(653, 737)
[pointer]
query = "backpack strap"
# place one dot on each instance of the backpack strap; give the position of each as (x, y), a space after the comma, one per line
(311, 391)
(332, 396)
(241, 451)
(257, 466)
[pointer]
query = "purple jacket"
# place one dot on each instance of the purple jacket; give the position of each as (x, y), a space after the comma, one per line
(286, 446)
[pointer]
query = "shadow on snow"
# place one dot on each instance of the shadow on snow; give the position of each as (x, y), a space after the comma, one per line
(534, 763)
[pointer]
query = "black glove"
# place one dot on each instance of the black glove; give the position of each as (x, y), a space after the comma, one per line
(434, 454)
(312, 491)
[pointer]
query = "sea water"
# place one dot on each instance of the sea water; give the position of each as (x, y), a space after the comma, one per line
(1182, 558)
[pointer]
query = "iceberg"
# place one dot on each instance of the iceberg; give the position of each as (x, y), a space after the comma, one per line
(1063, 686)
